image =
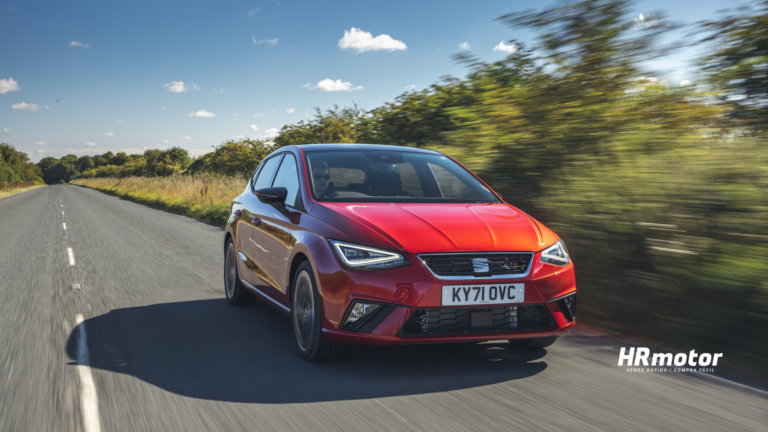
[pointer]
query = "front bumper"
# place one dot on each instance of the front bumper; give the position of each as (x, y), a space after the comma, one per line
(413, 289)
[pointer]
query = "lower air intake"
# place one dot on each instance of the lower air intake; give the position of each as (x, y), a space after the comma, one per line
(459, 320)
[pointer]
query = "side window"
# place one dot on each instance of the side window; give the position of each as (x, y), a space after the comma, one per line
(265, 175)
(450, 185)
(288, 177)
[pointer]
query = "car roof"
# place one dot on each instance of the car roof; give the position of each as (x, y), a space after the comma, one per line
(332, 147)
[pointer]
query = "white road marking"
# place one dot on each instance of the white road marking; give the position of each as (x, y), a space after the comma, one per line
(64, 224)
(62, 205)
(88, 401)
(62, 212)
(71, 256)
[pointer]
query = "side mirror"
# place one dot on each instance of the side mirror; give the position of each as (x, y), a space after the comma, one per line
(273, 195)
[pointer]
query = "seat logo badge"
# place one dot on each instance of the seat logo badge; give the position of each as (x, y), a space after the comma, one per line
(480, 265)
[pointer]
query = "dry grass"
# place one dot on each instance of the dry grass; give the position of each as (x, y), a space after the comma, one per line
(8, 191)
(202, 197)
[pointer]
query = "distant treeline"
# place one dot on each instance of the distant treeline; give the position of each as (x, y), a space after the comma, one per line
(232, 158)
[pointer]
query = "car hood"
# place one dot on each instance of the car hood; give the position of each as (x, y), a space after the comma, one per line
(422, 228)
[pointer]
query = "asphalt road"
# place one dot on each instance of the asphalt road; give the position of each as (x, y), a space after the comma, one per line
(164, 351)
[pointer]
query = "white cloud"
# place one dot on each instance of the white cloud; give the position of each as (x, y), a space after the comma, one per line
(80, 44)
(650, 20)
(254, 127)
(26, 107)
(109, 134)
(465, 46)
(186, 138)
(267, 41)
(176, 87)
(9, 85)
(40, 142)
(219, 90)
(270, 132)
(47, 107)
(410, 87)
(685, 83)
(306, 113)
(164, 107)
(90, 143)
(195, 86)
(202, 113)
(331, 85)
(506, 48)
(120, 121)
(289, 110)
(6, 129)
(258, 114)
(252, 12)
(166, 141)
(362, 41)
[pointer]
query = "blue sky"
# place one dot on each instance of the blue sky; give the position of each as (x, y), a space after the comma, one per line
(114, 64)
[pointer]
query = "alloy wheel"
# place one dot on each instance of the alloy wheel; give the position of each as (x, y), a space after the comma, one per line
(304, 311)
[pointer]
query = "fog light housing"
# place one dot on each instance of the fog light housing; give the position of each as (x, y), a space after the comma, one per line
(567, 306)
(358, 313)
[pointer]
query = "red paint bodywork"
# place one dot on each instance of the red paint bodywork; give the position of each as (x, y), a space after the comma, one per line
(408, 228)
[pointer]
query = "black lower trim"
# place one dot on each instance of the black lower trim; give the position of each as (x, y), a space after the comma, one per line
(567, 305)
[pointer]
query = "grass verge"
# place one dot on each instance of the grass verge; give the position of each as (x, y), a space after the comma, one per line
(8, 192)
(202, 197)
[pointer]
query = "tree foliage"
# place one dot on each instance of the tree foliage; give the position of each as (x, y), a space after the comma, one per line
(738, 67)
(233, 158)
(16, 167)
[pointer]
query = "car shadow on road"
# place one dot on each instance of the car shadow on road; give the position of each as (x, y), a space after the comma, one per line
(207, 349)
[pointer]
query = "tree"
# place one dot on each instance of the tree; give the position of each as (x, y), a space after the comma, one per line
(85, 163)
(235, 158)
(739, 64)
(120, 159)
(47, 162)
(16, 167)
(337, 125)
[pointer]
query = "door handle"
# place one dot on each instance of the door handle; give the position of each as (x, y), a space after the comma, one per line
(256, 222)
(238, 213)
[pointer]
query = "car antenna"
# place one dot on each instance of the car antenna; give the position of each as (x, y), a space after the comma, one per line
(321, 137)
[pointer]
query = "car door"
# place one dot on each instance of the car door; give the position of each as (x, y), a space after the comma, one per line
(254, 252)
(276, 234)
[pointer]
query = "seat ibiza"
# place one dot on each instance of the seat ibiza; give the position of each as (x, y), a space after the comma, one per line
(380, 245)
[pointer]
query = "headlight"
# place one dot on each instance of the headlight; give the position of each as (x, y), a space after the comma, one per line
(366, 258)
(556, 254)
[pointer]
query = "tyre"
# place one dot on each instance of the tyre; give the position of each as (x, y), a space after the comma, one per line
(307, 320)
(234, 290)
(534, 343)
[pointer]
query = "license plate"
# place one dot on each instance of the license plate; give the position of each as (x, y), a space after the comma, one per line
(465, 295)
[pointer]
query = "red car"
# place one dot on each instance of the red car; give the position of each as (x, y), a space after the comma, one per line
(380, 245)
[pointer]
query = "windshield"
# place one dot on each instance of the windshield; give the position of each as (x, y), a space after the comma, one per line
(392, 176)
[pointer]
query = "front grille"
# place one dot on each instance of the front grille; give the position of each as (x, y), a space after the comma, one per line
(462, 265)
(456, 320)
